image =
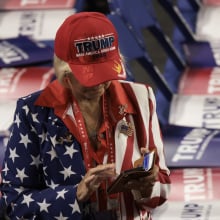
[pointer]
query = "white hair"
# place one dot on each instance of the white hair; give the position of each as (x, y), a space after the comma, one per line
(61, 68)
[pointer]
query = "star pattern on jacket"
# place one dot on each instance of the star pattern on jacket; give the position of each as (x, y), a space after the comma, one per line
(60, 162)
(52, 154)
(13, 154)
(24, 140)
(5, 170)
(44, 205)
(35, 160)
(67, 172)
(61, 217)
(27, 199)
(70, 151)
(60, 194)
(17, 120)
(21, 174)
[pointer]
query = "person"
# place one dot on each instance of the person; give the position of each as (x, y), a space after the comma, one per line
(70, 140)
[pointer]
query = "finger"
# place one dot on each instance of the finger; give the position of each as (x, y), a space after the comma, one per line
(92, 181)
(103, 168)
(88, 179)
(94, 187)
(144, 150)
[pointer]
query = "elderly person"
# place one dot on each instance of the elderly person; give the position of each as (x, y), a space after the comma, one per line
(70, 140)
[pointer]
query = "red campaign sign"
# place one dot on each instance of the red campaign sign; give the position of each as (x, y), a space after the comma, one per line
(18, 82)
(195, 184)
(36, 4)
(200, 81)
(211, 2)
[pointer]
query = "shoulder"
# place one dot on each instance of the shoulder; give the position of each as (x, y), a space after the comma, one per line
(28, 100)
(135, 85)
(138, 88)
(26, 105)
(142, 92)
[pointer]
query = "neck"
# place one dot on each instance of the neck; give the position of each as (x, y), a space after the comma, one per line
(90, 107)
(92, 114)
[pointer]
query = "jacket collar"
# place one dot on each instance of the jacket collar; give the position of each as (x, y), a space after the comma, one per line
(53, 96)
(119, 102)
(57, 97)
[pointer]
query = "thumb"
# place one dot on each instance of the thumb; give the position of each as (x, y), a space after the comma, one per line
(144, 150)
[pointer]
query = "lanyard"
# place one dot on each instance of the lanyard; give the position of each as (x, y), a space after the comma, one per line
(87, 149)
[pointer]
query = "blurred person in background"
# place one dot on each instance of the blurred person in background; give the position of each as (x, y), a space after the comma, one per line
(70, 140)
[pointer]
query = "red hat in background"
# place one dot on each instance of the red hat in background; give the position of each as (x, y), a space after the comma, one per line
(88, 42)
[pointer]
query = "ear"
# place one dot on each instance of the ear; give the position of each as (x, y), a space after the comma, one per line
(66, 80)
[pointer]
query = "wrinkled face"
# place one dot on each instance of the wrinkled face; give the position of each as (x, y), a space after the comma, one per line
(82, 92)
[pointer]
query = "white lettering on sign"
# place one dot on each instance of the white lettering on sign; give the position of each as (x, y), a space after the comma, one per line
(192, 211)
(190, 144)
(9, 53)
(211, 115)
(194, 184)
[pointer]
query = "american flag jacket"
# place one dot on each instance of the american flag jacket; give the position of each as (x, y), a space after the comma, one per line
(44, 162)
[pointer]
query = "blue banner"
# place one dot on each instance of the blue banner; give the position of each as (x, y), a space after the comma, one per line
(201, 54)
(22, 51)
(191, 147)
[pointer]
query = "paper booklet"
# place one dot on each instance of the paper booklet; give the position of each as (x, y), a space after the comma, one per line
(141, 168)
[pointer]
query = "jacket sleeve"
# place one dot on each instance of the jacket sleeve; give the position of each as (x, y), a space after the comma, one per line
(24, 190)
(161, 187)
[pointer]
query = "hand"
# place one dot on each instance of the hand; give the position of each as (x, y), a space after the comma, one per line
(93, 179)
(144, 184)
(142, 187)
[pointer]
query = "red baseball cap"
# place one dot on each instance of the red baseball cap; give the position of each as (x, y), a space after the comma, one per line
(88, 42)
